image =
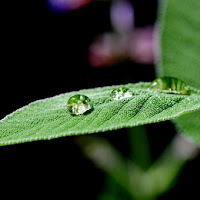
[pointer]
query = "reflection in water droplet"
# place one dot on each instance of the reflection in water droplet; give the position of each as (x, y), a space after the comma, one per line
(79, 104)
(121, 93)
(170, 85)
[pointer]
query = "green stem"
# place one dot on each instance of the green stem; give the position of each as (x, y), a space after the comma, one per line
(140, 151)
(162, 175)
(138, 183)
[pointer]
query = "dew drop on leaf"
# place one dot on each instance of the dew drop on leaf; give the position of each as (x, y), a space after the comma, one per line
(170, 85)
(121, 93)
(79, 104)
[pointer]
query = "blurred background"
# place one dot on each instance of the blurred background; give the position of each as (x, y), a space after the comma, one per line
(56, 46)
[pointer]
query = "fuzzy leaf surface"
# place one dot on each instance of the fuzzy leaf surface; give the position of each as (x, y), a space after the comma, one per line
(49, 118)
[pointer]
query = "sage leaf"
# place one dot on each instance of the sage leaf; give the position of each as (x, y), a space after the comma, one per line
(49, 118)
(180, 57)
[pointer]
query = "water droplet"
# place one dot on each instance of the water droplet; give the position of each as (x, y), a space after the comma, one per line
(170, 85)
(120, 93)
(79, 104)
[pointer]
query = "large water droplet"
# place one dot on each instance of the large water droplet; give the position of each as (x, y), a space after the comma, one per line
(79, 104)
(120, 93)
(170, 85)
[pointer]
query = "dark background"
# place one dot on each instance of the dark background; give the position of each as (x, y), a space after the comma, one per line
(45, 54)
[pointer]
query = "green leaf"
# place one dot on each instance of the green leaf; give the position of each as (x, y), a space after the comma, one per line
(49, 118)
(180, 52)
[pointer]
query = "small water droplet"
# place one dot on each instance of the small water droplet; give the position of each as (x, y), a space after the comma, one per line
(120, 93)
(79, 104)
(170, 85)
